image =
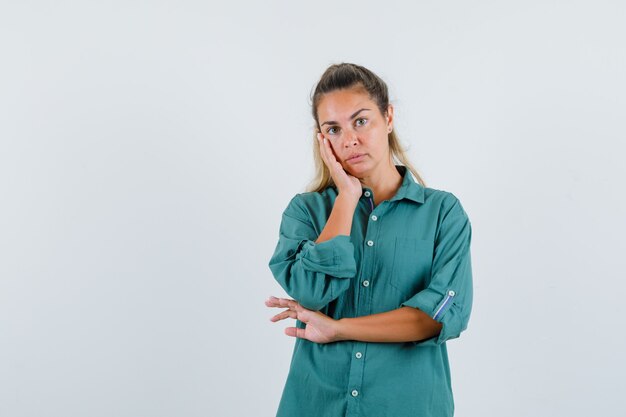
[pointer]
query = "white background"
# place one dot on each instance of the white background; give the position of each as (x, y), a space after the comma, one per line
(148, 149)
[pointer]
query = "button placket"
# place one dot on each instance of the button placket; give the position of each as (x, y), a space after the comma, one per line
(355, 376)
(357, 365)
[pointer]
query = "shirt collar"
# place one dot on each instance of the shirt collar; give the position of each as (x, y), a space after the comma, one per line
(409, 189)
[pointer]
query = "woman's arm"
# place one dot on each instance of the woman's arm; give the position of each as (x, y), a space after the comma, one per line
(404, 324)
(315, 268)
(340, 220)
(314, 272)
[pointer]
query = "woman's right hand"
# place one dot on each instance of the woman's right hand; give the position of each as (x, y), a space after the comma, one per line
(347, 184)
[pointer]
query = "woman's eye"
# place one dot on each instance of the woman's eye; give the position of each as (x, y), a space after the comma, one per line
(331, 130)
(361, 121)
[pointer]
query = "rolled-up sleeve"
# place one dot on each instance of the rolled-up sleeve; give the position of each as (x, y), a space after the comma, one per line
(448, 297)
(312, 273)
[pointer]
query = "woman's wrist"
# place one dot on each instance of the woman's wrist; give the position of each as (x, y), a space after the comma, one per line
(347, 199)
(341, 329)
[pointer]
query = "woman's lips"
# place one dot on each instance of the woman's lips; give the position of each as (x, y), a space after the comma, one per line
(356, 158)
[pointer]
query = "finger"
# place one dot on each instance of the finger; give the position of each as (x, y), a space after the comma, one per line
(293, 306)
(278, 302)
(272, 301)
(295, 332)
(286, 302)
(320, 139)
(328, 150)
(332, 161)
(284, 315)
(328, 153)
(332, 156)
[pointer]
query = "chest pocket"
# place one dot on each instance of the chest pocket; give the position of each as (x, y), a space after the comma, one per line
(412, 265)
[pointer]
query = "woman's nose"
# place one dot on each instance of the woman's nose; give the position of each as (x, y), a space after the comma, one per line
(350, 138)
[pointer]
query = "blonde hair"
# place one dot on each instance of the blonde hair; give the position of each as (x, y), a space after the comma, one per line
(344, 76)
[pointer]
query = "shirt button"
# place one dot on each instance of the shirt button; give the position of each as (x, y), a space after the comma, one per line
(374, 217)
(367, 194)
(358, 355)
(370, 243)
(366, 283)
(355, 393)
(451, 293)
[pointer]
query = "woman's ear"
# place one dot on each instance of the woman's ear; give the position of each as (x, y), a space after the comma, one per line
(390, 118)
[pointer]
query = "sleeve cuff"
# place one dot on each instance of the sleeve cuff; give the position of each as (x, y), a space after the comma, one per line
(441, 308)
(333, 257)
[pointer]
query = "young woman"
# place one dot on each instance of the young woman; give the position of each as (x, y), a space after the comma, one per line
(377, 265)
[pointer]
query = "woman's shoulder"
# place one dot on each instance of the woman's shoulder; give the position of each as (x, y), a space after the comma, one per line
(328, 193)
(438, 194)
(446, 200)
(309, 202)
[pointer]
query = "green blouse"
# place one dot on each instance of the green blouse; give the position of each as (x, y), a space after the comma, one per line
(412, 250)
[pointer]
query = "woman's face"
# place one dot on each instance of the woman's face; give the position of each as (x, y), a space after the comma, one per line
(352, 122)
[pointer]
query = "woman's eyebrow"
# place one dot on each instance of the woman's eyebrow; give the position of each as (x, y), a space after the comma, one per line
(330, 122)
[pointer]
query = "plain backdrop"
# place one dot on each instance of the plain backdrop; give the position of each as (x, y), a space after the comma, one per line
(148, 149)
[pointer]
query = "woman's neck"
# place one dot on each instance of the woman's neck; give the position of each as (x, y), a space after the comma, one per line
(384, 183)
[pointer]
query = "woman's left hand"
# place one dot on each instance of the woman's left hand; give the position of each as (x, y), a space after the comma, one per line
(319, 327)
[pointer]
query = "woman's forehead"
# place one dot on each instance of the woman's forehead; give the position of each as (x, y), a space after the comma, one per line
(343, 103)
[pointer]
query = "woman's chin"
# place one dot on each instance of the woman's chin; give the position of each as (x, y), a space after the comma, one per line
(350, 170)
(357, 170)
